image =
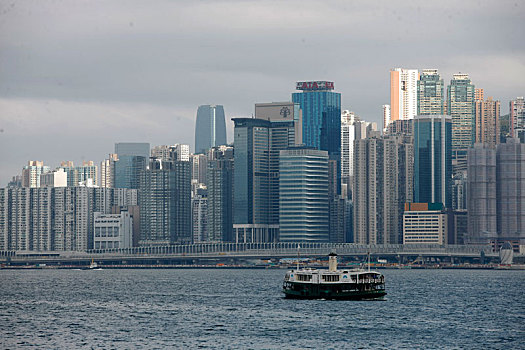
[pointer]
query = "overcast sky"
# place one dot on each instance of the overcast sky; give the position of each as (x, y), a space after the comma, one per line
(78, 76)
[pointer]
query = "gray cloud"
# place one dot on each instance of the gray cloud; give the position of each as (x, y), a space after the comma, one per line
(103, 72)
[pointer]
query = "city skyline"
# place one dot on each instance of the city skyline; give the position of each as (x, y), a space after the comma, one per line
(62, 86)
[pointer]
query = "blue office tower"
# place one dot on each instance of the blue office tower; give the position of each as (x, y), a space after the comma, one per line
(210, 128)
(132, 160)
(321, 117)
(433, 159)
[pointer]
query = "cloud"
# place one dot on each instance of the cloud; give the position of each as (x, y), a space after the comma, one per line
(54, 130)
(117, 69)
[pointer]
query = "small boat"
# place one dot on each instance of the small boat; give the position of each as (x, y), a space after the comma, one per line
(92, 266)
(351, 284)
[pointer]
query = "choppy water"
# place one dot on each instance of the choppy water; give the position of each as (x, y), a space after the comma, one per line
(245, 309)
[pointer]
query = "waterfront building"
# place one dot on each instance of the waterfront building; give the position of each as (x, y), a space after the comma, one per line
(165, 203)
(383, 183)
(403, 93)
(219, 213)
(107, 171)
(303, 195)
(31, 173)
(430, 95)
(481, 194)
(210, 128)
(432, 159)
(517, 118)
(134, 213)
(54, 218)
(256, 176)
(112, 231)
(487, 120)
(425, 223)
(510, 194)
(321, 108)
(57, 178)
(460, 105)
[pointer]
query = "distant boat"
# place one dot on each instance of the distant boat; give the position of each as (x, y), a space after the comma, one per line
(92, 266)
(353, 284)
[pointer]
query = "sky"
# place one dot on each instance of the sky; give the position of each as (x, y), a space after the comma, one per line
(78, 76)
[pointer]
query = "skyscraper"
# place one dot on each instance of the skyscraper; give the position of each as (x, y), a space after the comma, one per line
(487, 121)
(132, 149)
(510, 200)
(386, 117)
(348, 132)
(85, 174)
(481, 193)
(165, 203)
(199, 214)
(31, 173)
(107, 171)
(403, 93)
(199, 165)
(210, 128)
(54, 218)
(430, 95)
(132, 160)
(321, 117)
(517, 118)
(303, 187)
(460, 105)
(256, 176)
(432, 159)
(383, 183)
(220, 194)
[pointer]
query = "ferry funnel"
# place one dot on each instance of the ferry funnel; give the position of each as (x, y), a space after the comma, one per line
(332, 262)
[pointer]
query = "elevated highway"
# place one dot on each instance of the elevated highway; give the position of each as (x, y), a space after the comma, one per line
(239, 251)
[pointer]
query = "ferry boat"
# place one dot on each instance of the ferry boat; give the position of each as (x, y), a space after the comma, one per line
(351, 284)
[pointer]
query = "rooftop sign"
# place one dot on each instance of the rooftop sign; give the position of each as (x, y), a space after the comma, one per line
(315, 85)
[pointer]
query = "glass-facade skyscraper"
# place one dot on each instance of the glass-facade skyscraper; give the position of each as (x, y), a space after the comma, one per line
(321, 118)
(460, 105)
(132, 158)
(433, 159)
(256, 177)
(210, 128)
(303, 206)
(430, 96)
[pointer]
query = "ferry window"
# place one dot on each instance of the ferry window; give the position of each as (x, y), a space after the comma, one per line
(304, 277)
(331, 278)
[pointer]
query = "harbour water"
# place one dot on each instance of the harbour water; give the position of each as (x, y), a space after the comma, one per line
(245, 309)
